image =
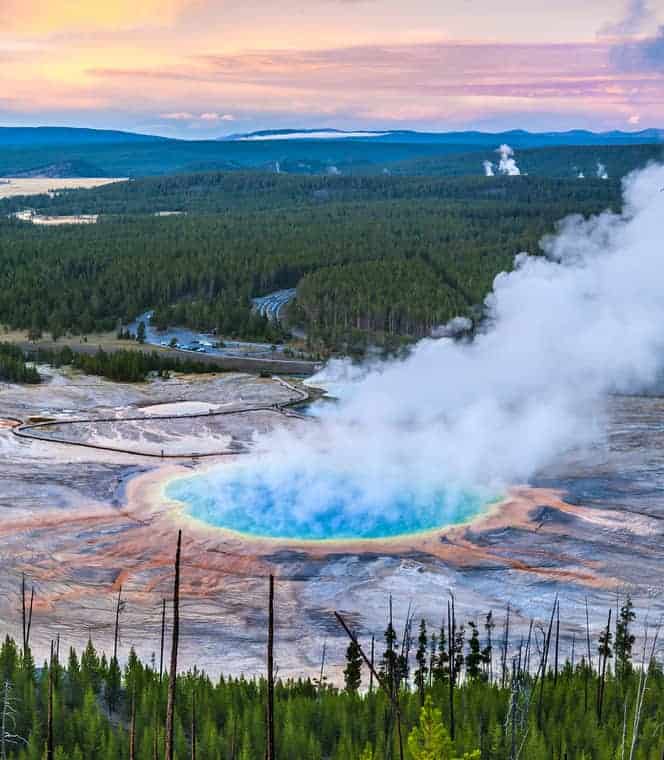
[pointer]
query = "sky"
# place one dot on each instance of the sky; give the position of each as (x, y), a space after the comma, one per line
(204, 68)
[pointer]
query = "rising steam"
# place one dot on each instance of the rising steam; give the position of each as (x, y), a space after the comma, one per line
(507, 164)
(563, 330)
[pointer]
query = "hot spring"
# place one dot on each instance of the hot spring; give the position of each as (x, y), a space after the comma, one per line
(301, 504)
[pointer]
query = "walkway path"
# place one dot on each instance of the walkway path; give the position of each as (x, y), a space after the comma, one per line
(31, 431)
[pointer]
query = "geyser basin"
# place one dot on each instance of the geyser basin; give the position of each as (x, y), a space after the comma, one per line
(305, 505)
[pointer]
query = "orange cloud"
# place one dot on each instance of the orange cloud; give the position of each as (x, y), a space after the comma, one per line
(44, 17)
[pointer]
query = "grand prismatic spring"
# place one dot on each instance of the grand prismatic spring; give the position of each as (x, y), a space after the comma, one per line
(302, 506)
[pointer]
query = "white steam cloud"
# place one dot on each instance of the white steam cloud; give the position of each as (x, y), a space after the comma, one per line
(454, 328)
(601, 171)
(563, 331)
(507, 164)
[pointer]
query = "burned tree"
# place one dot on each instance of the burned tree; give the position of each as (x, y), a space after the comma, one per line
(26, 615)
(172, 678)
(270, 749)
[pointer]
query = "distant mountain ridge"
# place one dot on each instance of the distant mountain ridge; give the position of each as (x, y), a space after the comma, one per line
(71, 152)
(43, 136)
(517, 138)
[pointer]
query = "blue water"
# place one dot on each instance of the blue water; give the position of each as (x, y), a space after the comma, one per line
(321, 506)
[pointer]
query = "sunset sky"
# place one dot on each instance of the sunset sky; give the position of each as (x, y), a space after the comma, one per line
(203, 68)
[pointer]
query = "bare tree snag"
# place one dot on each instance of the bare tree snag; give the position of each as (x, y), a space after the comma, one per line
(132, 727)
(163, 634)
(270, 750)
(193, 723)
(118, 608)
(394, 699)
(172, 679)
(49, 715)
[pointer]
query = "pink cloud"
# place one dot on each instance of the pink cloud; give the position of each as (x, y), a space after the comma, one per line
(446, 69)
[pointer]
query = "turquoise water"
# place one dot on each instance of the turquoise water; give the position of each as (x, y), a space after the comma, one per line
(318, 506)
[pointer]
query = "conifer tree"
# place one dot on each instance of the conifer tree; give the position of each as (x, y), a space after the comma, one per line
(389, 665)
(487, 652)
(353, 669)
(474, 656)
(90, 668)
(624, 638)
(433, 649)
(441, 672)
(429, 740)
(113, 684)
(421, 658)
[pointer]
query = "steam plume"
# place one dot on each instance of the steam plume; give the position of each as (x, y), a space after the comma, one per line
(488, 169)
(601, 171)
(507, 163)
(563, 330)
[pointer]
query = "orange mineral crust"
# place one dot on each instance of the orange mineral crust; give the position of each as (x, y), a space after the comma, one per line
(81, 522)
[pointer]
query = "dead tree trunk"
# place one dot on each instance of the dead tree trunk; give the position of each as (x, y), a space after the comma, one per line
(451, 646)
(49, 714)
(605, 651)
(394, 698)
(528, 647)
(163, 634)
(589, 667)
(513, 707)
(23, 609)
(321, 676)
(270, 750)
(172, 679)
(132, 727)
(116, 633)
(644, 673)
(26, 615)
(3, 727)
(545, 659)
(371, 668)
(503, 657)
(555, 666)
(193, 724)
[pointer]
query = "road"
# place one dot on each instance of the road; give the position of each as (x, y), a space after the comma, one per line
(225, 363)
(271, 305)
(206, 343)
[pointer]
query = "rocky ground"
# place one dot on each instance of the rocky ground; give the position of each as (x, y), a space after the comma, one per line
(82, 522)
